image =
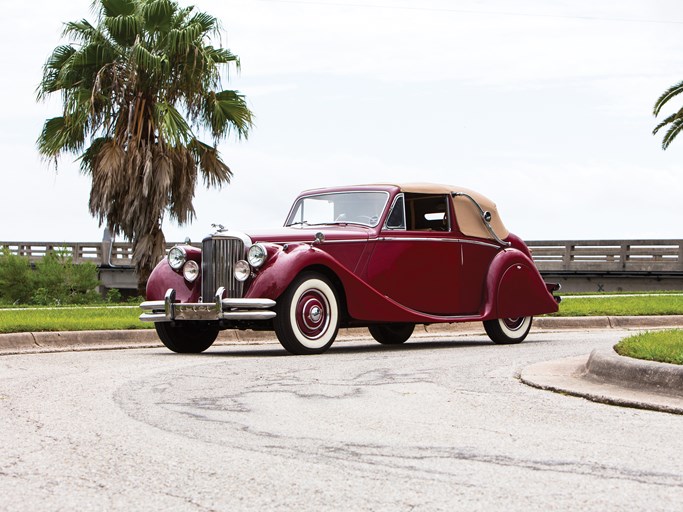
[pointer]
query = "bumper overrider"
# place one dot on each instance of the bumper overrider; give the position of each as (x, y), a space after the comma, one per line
(168, 309)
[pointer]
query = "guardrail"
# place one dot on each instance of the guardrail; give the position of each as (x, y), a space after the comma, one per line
(622, 256)
(99, 253)
(577, 256)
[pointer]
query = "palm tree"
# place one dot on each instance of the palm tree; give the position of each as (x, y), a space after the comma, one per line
(675, 121)
(137, 87)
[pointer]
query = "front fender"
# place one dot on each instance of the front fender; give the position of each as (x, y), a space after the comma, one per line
(515, 288)
(284, 265)
(164, 277)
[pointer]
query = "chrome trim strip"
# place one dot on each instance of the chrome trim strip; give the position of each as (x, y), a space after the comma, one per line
(447, 240)
(308, 242)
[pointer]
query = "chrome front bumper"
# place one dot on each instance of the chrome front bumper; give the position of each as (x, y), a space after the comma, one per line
(221, 309)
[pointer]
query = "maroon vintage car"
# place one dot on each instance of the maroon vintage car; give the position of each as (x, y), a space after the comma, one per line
(386, 257)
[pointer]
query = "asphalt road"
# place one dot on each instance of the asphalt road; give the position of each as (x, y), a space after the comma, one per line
(431, 425)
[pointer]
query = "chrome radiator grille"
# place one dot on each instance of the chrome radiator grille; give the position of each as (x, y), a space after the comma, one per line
(218, 260)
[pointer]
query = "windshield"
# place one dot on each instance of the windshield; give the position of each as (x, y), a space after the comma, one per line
(339, 208)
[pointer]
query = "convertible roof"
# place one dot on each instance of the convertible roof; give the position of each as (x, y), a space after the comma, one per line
(467, 215)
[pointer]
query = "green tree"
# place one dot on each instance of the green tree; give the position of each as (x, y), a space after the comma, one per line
(138, 87)
(674, 121)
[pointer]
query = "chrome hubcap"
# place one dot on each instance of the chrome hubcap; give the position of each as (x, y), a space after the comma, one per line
(315, 314)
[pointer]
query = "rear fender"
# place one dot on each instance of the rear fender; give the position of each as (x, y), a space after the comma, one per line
(515, 288)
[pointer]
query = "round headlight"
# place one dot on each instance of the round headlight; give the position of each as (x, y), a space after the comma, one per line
(241, 270)
(177, 257)
(191, 271)
(257, 255)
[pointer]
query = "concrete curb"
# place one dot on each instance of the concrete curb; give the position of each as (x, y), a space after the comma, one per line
(15, 343)
(606, 377)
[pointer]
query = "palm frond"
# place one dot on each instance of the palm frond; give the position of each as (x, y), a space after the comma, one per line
(81, 31)
(123, 29)
(226, 111)
(214, 171)
(51, 71)
(159, 14)
(61, 134)
(112, 8)
(148, 61)
(181, 40)
(666, 121)
(173, 128)
(209, 25)
(666, 96)
(672, 132)
(91, 153)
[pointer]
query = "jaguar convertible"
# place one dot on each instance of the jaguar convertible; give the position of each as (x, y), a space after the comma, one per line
(385, 257)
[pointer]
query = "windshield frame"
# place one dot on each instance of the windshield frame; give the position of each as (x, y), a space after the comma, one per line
(294, 223)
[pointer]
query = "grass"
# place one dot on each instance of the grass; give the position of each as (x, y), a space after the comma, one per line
(621, 306)
(662, 346)
(73, 318)
(98, 317)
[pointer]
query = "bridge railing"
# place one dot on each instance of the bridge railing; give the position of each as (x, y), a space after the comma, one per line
(98, 253)
(549, 255)
(661, 256)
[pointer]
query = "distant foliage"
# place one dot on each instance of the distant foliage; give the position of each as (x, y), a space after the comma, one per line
(56, 280)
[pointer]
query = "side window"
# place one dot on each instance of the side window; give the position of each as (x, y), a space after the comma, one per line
(397, 216)
(426, 212)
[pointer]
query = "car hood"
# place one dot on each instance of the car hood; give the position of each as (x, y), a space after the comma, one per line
(307, 234)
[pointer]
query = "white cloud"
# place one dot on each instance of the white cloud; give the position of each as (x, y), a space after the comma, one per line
(546, 112)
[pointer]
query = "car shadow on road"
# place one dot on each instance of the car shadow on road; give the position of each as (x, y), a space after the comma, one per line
(343, 348)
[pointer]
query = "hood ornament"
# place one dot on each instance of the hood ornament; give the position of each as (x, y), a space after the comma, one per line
(219, 228)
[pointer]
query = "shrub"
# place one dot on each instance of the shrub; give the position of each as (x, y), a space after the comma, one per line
(55, 280)
(16, 282)
(59, 281)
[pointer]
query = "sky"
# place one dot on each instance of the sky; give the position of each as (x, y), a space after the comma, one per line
(545, 106)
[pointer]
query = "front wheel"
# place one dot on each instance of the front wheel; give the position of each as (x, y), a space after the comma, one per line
(391, 334)
(307, 318)
(507, 331)
(186, 337)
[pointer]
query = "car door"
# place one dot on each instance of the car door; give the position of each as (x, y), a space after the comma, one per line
(417, 257)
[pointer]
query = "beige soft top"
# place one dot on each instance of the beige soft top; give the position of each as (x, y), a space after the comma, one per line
(467, 215)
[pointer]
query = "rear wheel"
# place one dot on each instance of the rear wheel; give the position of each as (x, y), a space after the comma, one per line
(507, 331)
(186, 337)
(307, 318)
(391, 334)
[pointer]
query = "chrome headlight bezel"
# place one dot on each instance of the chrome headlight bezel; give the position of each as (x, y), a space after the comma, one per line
(191, 271)
(177, 257)
(257, 255)
(241, 270)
